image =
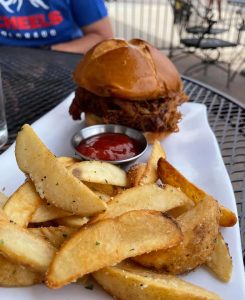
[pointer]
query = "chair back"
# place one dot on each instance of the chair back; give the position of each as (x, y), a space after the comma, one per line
(163, 22)
(200, 15)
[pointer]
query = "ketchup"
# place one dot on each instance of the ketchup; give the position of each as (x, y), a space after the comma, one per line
(109, 147)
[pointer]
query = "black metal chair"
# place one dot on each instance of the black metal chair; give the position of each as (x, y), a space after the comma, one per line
(185, 9)
(203, 40)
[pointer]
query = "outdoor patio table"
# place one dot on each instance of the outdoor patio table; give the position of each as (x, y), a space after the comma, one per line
(35, 81)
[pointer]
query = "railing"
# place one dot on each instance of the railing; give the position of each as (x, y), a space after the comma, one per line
(153, 20)
(150, 20)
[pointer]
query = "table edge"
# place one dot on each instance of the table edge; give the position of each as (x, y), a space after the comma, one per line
(213, 89)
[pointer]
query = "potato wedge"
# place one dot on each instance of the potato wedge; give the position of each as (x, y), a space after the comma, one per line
(51, 179)
(48, 212)
(220, 261)
(106, 198)
(72, 221)
(227, 217)
(135, 173)
(168, 174)
(23, 247)
(110, 241)
(22, 204)
(14, 275)
(108, 189)
(3, 215)
(151, 175)
(127, 281)
(148, 197)
(99, 172)
(3, 199)
(180, 210)
(55, 235)
(200, 227)
(68, 161)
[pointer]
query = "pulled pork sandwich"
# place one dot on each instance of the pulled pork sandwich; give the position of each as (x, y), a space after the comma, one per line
(128, 83)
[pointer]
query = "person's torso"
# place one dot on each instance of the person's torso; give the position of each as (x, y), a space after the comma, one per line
(36, 22)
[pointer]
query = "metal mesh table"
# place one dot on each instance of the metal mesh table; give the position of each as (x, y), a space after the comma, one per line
(35, 81)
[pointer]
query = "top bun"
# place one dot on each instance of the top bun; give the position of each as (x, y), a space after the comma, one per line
(132, 70)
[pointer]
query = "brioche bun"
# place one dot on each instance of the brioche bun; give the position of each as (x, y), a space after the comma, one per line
(132, 70)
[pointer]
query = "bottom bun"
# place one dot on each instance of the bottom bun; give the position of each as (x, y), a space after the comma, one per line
(152, 136)
(91, 119)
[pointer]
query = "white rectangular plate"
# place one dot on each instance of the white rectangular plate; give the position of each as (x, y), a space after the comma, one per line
(193, 150)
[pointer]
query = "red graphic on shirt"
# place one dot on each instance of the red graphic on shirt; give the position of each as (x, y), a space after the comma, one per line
(36, 21)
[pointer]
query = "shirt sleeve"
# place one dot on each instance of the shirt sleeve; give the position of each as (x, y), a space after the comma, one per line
(86, 12)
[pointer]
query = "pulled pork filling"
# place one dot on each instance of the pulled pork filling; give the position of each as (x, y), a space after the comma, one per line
(154, 115)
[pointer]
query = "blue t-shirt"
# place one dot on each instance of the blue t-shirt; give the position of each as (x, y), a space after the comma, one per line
(34, 23)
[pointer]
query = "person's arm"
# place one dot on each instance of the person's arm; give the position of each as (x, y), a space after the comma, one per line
(93, 34)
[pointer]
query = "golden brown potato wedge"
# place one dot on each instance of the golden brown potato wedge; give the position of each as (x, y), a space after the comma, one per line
(108, 189)
(148, 197)
(150, 174)
(72, 221)
(135, 174)
(3, 199)
(168, 174)
(220, 261)
(3, 215)
(227, 217)
(177, 211)
(86, 281)
(23, 247)
(22, 204)
(128, 281)
(55, 235)
(48, 212)
(200, 227)
(51, 179)
(110, 241)
(68, 161)
(99, 172)
(14, 275)
(106, 198)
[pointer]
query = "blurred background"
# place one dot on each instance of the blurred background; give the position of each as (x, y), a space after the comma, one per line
(204, 43)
